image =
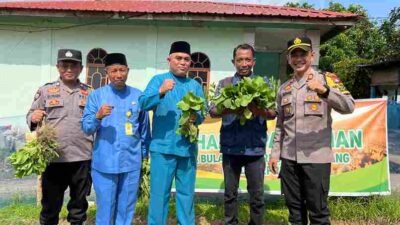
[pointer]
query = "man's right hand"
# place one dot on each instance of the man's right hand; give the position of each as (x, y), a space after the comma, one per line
(166, 86)
(273, 165)
(105, 110)
(37, 115)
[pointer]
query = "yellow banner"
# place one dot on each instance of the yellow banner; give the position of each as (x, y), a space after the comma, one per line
(359, 143)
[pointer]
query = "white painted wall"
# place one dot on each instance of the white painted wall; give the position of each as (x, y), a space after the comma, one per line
(28, 60)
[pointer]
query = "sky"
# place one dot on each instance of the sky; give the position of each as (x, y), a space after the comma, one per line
(375, 8)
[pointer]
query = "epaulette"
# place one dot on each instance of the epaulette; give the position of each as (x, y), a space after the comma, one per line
(85, 86)
(333, 81)
(52, 83)
(48, 89)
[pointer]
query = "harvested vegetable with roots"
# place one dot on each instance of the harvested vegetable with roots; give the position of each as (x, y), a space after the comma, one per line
(248, 91)
(36, 154)
(189, 105)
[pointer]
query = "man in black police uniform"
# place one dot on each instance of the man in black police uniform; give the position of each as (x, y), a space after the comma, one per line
(60, 104)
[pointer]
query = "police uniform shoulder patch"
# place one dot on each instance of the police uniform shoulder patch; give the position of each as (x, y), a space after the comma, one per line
(85, 86)
(333, 81)
(37, 95)
(84, 91)
(39, 92)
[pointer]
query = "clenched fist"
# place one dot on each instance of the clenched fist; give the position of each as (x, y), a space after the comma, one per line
(193, 118)
(105, 110)
(37, 115)
(166, 86)
(317, 86)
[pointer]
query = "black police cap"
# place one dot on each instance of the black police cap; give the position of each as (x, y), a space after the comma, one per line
(115, 58)
(299, 42)
(180, 46)
(69, 55)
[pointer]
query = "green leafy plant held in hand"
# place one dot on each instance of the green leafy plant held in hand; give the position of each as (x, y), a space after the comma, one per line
(190, 105)
(36, 154)
(237, 98)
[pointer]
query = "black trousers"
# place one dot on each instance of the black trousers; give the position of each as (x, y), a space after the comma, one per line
(55, 180)
(306, 188)
(254, 169)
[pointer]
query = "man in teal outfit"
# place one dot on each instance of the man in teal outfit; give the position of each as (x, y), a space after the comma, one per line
(122, 136)
(172, 155)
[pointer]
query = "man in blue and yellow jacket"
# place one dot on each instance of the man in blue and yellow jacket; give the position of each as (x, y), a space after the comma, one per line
(122, 138)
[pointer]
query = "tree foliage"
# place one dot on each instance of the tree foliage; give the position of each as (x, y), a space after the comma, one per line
(304, 5)
(390, 30)
(366, 42)
(357, 80)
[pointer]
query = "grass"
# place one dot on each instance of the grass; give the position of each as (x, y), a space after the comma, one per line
(347, 210)
(378, 209)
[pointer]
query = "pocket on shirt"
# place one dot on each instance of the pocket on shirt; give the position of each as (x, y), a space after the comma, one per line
(258, 133)
(134, 119)
(287, 106)
(54, 108)
(134, 109)
(82, 104)
(228, 135)
(313, 105)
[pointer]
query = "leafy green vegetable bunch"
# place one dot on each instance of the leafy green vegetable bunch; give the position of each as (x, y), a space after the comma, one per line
(237, 98)
(35, 155)
(189, 105)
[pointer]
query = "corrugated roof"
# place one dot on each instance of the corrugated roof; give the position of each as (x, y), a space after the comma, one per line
(170, 7)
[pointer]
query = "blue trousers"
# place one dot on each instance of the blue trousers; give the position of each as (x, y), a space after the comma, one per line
(116, 196)
(164, 168)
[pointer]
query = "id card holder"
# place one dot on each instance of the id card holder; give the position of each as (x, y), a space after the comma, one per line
(128, 129)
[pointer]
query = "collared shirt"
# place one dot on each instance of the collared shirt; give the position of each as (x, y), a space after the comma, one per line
(116, 149)
(166, 114)
(249, 139)
(64, 108)
(304, 124)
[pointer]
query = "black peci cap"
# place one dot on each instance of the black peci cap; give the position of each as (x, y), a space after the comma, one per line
(180, 46)
(115, 58)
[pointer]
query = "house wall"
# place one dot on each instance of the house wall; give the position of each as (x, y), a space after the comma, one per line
(28, 59)
(386, 76)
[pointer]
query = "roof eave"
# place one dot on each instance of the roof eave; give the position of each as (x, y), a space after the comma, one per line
(340, 21)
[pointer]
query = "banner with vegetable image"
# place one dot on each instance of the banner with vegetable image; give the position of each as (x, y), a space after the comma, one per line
(359, 142)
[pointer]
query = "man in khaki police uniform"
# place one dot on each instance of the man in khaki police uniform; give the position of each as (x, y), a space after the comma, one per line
(303, 134)
(61, 105)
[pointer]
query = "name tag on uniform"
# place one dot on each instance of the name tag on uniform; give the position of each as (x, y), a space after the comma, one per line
(128, 129)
